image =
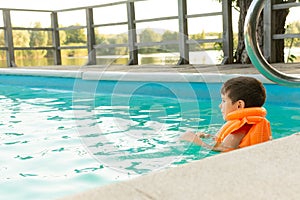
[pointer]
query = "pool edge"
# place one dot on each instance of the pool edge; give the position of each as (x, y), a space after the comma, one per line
(86, 74)
(264, 171)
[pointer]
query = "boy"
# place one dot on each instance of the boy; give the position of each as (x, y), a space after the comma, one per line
(241, 107)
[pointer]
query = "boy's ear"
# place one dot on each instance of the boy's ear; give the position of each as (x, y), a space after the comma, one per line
(241, 104)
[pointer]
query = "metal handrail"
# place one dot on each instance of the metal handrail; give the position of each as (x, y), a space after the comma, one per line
(254, 52)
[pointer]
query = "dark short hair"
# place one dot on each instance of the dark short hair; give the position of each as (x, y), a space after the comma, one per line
(248, 89)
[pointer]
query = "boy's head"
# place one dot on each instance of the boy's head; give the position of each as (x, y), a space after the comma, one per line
(247, 89)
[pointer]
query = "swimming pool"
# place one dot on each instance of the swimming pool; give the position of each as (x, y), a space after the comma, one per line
(64, 135)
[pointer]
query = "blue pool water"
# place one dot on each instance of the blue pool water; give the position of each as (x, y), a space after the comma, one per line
(60, 136)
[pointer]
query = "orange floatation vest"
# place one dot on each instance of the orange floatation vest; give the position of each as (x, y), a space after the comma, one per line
(259, 132)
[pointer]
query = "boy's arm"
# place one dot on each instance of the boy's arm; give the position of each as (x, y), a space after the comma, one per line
(231, 142)
(192, 137)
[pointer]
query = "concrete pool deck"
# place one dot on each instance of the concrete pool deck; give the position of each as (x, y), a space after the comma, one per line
(265, 171)
(221, 69)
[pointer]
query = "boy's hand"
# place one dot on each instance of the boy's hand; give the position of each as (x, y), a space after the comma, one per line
(191, 137)
(203, 135)
(188, 136)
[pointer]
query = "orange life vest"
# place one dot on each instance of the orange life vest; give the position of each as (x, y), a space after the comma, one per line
(259, 132)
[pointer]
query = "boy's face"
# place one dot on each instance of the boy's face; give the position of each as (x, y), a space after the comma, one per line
(227, 106)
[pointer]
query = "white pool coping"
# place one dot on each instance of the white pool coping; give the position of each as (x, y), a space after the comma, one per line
(265, 171)
(129, 76)
(41, 72)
